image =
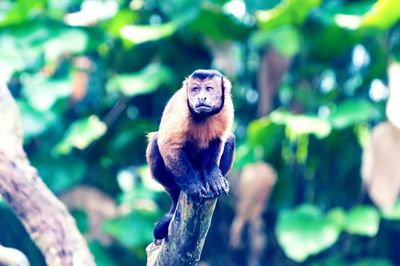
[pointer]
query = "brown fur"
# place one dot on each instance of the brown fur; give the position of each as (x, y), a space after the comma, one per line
(177, 126)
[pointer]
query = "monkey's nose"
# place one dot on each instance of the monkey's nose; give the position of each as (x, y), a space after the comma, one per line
(202, 99)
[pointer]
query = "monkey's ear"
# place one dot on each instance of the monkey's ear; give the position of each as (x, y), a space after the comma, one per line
(185, 83)
(227, 85)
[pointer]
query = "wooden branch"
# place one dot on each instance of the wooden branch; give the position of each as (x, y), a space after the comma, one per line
(44, 217)
(187, 233)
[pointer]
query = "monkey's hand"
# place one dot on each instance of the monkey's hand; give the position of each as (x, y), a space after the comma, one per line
(215, 184)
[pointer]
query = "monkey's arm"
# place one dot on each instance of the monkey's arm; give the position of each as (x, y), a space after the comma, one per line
(228, 155)
(214, 180)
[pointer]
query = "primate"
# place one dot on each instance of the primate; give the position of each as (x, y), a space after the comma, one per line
(193, 149)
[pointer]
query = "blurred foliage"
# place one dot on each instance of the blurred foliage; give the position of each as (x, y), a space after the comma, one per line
(91, 78)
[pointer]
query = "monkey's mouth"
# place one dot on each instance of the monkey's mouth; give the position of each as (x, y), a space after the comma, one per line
(203, 108)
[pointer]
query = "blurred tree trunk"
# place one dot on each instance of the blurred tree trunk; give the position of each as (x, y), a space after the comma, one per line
(44, 217)
(272, 68)
(186, 235)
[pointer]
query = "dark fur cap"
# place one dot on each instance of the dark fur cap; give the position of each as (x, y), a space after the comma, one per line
(205, 73)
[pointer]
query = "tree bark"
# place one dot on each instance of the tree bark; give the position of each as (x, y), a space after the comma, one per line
(44, 217)
(186, 234)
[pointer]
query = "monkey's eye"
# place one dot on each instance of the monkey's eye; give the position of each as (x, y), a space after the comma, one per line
(195, 89)
(209, 89)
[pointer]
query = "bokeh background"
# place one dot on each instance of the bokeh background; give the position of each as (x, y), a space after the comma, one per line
(316, 90)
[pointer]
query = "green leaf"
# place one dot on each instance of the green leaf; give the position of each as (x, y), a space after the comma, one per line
(65, 42)
(338, 217)
(346, 16)
(208, 23)
(100, 254)
(244, 154)
(372, 262)
(362, 220)
(21, 11)
(383, 15)
(34, 122)
(122, 18)
(24, 44)
(287, 12)
(134, 230)
(302, 124)
(393, 213)
(81, 133)
(11, 59)
(42, 93)
(139, 193)
(148, 181)
(145, 81)
(350, 113)
(61, 173)
(144, 33)
(305, 231)
(82, 220)
(285, 39)
(339, 261)
(262, 135)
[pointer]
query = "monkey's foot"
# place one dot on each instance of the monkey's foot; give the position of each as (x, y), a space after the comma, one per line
(215, 187)
(209, 195)
(195, 192)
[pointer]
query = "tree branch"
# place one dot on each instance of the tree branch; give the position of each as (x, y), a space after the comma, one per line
(186, 234)
(44, 217)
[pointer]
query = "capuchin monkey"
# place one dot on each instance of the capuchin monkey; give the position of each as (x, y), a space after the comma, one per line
(193, 149)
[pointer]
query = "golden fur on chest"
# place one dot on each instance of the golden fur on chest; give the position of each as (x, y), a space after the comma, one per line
(214, 127)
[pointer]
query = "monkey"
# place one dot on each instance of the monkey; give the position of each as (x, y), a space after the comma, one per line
(193, 150)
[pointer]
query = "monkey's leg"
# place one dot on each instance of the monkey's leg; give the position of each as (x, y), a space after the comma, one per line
(226, 161)
(157, 166)
(160, 173)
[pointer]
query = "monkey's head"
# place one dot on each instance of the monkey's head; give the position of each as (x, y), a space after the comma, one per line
(206, 90)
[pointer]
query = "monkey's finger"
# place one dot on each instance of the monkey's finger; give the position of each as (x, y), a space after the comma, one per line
(200, 200)
(226, 190)
(208, 195)
(226, 182)
(222, 186)
(210, 186)
(207, 187)
(216, 187)
(226, 186)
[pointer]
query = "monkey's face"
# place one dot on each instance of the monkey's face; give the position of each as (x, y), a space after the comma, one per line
(205, 97)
